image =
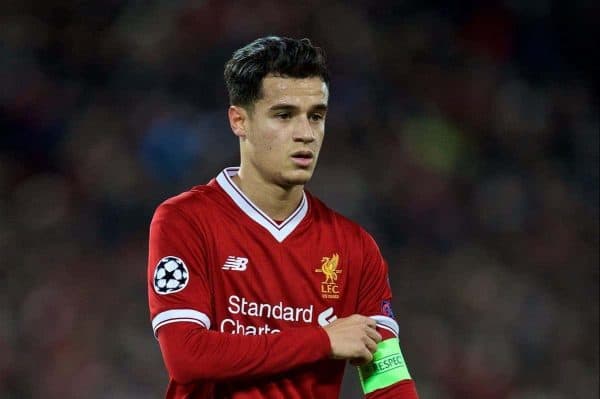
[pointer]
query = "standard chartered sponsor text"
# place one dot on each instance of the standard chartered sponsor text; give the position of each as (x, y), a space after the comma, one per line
(279, 311)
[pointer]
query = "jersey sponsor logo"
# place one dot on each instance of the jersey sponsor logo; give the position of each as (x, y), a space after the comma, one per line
(170, 275)
(248, 311)
(329, 267)
(234, 326)
(326, 317)
(235, 263)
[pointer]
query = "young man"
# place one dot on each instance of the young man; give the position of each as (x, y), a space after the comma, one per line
(256, 288)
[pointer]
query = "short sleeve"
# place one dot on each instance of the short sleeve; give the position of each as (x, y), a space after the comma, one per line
(178, 289)
(375, 294)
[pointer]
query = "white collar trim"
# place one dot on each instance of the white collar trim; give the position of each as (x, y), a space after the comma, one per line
(278, 231)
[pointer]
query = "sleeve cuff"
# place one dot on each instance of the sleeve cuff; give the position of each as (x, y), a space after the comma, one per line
(324, 342)
(179, 315)
(387, 323)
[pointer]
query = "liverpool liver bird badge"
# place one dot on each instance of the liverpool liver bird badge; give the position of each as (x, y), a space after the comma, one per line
(329, 268)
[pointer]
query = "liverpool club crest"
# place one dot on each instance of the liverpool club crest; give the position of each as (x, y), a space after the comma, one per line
(330, 269)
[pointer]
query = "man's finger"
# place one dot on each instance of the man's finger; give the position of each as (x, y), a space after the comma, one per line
(374, 335)
(371, 345)
(371, 323)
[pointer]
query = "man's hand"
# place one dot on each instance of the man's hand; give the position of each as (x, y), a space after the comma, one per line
(353, 338)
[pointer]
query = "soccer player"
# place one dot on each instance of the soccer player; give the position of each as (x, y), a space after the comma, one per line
(256, 288)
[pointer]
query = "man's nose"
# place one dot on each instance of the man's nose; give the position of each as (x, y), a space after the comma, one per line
(304, 131)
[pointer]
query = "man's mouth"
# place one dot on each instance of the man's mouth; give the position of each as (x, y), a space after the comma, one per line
(303, 154)
(303, 158)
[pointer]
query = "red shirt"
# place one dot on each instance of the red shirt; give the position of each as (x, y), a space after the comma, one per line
(238, 301)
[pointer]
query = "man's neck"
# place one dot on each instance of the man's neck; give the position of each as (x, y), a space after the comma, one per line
(276, 201)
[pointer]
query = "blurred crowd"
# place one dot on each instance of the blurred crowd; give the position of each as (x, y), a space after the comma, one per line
(464, 137)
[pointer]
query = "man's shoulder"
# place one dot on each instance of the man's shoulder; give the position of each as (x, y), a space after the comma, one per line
(325, 214)
(198, 200)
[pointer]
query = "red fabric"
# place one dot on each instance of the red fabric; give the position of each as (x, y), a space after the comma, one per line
(263, 337)
(192, 353)
(403, 390)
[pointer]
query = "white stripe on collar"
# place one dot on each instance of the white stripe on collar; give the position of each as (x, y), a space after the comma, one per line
(278, 231)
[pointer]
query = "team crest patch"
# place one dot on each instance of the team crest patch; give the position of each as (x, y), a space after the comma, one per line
(386, 309)
(171, 275)
(330, 269)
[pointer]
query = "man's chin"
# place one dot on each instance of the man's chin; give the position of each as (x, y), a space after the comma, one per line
(298, 177)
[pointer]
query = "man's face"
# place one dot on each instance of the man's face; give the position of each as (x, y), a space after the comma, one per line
(284, 130)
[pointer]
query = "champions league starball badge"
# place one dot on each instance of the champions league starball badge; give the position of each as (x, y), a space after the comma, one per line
(386, 309)
(171, 275)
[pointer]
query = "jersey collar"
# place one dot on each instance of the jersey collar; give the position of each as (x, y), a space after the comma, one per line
(278, 231)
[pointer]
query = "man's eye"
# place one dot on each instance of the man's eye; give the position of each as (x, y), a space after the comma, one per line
(316, 117)
(283, 115)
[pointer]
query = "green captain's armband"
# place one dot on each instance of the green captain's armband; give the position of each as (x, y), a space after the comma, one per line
(387, 367)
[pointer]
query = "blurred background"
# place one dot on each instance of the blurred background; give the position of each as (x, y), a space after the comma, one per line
(464, 137)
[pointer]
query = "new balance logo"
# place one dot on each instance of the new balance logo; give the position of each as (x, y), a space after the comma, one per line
(235, 263)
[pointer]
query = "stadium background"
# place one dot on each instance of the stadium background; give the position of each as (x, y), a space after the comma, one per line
(463, 136)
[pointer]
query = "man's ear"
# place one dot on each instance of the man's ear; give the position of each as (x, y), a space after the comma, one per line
(238, 120)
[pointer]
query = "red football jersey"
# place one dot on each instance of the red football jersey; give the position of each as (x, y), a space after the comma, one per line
(262, 289)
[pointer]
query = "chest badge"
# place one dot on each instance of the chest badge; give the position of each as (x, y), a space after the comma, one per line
(329, 268)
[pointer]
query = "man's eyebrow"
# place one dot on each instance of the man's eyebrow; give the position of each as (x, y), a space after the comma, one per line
(283, 107)
(289, 107)
(319, 107)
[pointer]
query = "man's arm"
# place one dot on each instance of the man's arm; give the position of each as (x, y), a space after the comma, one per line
(386, 376)
(192, 353)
